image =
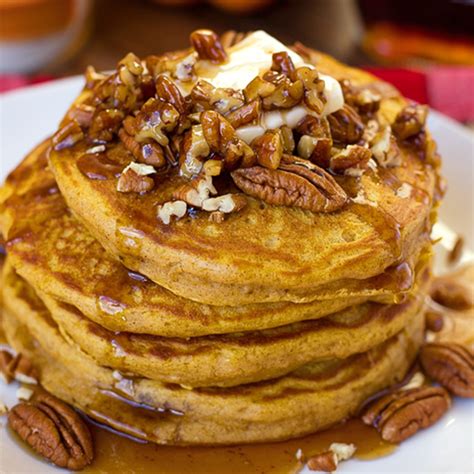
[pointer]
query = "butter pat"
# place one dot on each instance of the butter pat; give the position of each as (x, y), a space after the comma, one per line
(252, 57)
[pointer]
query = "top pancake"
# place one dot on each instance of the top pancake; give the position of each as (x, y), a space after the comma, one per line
(264, 253)
(58, 256)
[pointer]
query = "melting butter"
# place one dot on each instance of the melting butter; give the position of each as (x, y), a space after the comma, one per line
(252, 57)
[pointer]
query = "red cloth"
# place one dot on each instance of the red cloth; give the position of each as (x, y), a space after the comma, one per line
(449, 89)
(14, 81)
(445, 88)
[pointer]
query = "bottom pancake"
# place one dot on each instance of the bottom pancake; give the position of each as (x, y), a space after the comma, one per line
(309, 399)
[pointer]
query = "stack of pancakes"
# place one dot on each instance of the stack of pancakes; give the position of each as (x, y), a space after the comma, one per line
(274, 323)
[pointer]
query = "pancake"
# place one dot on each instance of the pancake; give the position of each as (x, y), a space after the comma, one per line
(264, 253)
(307, 400)
(58, 256)
(233, 359)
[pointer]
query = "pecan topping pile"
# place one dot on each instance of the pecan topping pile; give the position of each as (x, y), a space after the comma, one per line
(170, 118)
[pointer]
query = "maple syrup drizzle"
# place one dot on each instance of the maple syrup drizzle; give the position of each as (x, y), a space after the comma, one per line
(139, 457)
(98, 167)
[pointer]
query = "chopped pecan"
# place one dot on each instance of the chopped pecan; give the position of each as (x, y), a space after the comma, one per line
(401, 414)
(54, 430)
(208, 46)
(205, 96)
(450, 364)
(155, 119)
(258, 88)
(269, 149)
(222, 139)
(322, 152)
(67, 136)
(323, 462)
(288, 139)
(195, 191)
(172, 208)
(317, 127)
(385, 148)
(93, 77)
(282, 62)
(132, 180)
(82, 113)
(452, 293)
(313, 88)
(21, 368)
(5, 360)
(410, 121)
(226, 203)
(105, 125)
(286, 95)
(306, 146)
(217, 217)
(364, 100)
(353, 156)
(213, 167)
(185, 69)
(194, 148)
(149, 153)
(346, 125)
(295, 184)
(329, 460)
(245, 114)
(168, 91)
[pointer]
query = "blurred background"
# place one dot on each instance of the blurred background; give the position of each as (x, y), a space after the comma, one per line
(424, 47)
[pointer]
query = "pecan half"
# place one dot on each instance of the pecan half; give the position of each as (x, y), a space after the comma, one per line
(410, 121)
(452, 365)
(54, 430)
(401, 414)
(452, 293)
(269, 149)
(208, 46)
(434, 320)
(292, 185)
(346, 125)
(168, 91)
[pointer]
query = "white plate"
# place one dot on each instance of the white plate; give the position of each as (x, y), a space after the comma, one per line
(31, 114)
